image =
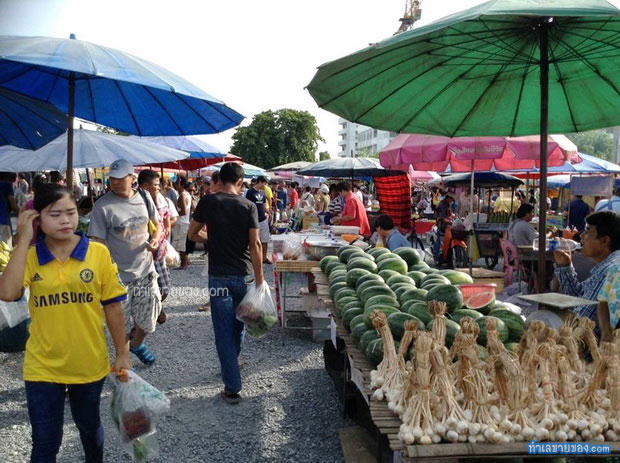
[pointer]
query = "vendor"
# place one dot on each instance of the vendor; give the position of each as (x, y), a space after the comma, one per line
(354, 213)
(390, 236)
(601, 241)
(520, 231)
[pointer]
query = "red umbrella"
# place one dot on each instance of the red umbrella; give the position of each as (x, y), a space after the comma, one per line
(196, 163)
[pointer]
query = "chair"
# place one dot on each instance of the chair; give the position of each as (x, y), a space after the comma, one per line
(511, 261)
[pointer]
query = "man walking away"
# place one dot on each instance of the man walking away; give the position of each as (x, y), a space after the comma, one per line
(121, 219)
(234, 253)
(256, 194)
(577, 212)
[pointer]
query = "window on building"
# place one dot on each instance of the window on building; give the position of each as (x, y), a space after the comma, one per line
(374, 133)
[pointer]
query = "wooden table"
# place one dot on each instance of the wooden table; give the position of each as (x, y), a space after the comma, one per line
(483, 275)
(558, 300)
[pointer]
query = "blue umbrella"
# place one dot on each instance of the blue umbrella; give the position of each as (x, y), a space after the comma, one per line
(109, 87)
(196, 148)
(28, 123)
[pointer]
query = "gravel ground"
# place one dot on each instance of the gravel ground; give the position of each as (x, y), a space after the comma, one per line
(290, 411)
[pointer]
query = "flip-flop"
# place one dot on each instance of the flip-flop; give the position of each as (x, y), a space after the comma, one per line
(162, 317)
(230, 398)
(143, 353)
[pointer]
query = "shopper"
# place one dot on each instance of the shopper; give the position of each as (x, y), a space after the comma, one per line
(611, 204)
(256, 194)
(179, 233)
(322, 202)
(390, 236)
(234, 254)
(148, 181)
(7, 205)
(520, 231)
(576, 212)
(354, 213)
(128, 223)
(282, 198)
(70, 278)
(171, 193)
(293, 196)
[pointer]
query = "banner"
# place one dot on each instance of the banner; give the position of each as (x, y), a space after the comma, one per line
(592, 186)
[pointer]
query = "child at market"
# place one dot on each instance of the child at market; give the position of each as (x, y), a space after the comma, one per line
(73, 284)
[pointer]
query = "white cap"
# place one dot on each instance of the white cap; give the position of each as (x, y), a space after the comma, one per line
(324, 189)
(121, 169)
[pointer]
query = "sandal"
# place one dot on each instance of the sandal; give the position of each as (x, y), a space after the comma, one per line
(205, 308)
(230, 398)
(143, 353)
(162, 317)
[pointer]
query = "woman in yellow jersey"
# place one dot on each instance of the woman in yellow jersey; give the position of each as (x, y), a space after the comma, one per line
(74, 286)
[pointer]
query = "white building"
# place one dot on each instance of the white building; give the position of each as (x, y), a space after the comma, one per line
(356, 139)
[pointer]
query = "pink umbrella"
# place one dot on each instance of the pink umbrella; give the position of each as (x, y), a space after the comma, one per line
(464, 154)
(421, 175)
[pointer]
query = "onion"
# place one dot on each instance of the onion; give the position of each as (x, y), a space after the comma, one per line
(474, 428)
(472, 439)
(440, 429)
(489, 434)
(561, 436)
(571, 434)
(452, 436)
(417, 432)
(586, 434)
(451, 422)
(461, 427)
(409, 439)
(547, 423)
(469, 415)
(596, 429)
(505, 439)
(436, 438)
(572, 424)
(462, 438)
(425, 440)
(505, 425)
(515, 429)
(610, 435)
(599, 438)
(528, 433)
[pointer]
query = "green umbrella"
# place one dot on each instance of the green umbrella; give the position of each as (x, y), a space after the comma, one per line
(494, 69)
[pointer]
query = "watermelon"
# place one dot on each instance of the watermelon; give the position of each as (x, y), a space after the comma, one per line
(340, 269)
(508, 306)
(396, 321)
(434, 278)
(348, 292)
(458, 278)
(449, 294)
(370, 284)
(460, 313)
(376, 252)
(375, 291)
(386, 274)
(386, 309)
(514, 323)
(332, 266)
(348, 304)
(339, 279)
(395, 263)
(346, 301)
(327, 259)
(420, 311)
(357, 320)
(382, 299)
(482, 302)
(416, 276)
(368, 277)
(502, 329)
(348, 249)
(512, 347)
(335, 287)
(483, 353)
(419, 267)
(399, 279)
(355, 274)
(428, 271)
(431, 284)
(349, 315)
(413, 294)
(360, 262)
(409, 255)
(367, 337)
(452, 328)
(357, 330)
(374, 351)
(349, 254)
(401, 288)
(384, 256)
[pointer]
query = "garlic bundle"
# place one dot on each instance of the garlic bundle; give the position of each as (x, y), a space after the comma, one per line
(389, 375)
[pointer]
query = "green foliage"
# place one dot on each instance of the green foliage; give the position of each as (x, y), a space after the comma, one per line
(366, 153)
(598, 143)
(324, 155)
(278, 137)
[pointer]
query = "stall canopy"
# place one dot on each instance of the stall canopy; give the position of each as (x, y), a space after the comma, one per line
(464, 154)
(588, 165)
(483, 180)
(201, 153)
(249, 170)
(348, 167)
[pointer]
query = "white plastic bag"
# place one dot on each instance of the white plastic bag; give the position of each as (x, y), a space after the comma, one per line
(173, 259)
(257, 310)
(135, 406)
(13, 313)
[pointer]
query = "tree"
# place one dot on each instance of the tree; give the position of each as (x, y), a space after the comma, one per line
(598, 143)
(324, 155)
(366, 153)
(278, 137)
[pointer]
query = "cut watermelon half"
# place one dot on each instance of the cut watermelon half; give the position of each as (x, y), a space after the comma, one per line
(480, 300)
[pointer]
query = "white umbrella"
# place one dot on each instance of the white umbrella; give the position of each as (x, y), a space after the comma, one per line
(91, 149)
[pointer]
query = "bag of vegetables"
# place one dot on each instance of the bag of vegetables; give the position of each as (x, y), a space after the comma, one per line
(135, 406)
(257, 310)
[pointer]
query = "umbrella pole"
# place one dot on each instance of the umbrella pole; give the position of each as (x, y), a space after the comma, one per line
(544, 135)
(471, 237)
(161, 166)
(70, 117)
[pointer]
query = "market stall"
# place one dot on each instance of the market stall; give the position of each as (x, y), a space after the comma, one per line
(448, 371)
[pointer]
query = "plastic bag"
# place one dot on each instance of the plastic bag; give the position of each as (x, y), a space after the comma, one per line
(13, 313)
(135, 406)
(173, 259)
(292, 249)
(257, 310)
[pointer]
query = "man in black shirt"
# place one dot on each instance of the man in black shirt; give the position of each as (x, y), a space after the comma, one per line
(256, 194)
(235, 252)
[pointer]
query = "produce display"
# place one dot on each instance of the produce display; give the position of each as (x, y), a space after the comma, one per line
(458, 369)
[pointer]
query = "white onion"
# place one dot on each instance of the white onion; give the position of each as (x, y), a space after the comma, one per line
(599, 438)
(440, 429)
(451, 422)
(528, 433)
(586, 434)
(469, 415)
(561, 436)
(472, 439)
(461, 427)
(515, 429)
(452, 436)
(474, 429)
(505, 439)
(547, 423)
(436, 438)
(405, 428)
(596, 429)
(409, 439)
(571, 434)
(462, 438)
(417, 432)
(425, 440)
(378, 394)
(489, 434)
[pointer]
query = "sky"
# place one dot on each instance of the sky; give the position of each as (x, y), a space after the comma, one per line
(254, 55)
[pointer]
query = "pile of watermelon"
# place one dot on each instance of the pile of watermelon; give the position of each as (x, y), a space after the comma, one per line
(400, 284)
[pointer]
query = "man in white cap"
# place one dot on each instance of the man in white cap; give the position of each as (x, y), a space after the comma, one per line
(322, 200)
(127, 222)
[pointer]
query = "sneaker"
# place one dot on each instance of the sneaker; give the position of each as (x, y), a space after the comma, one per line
(230, 398)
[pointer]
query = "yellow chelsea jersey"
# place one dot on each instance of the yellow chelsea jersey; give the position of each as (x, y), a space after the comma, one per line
(67, 341)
